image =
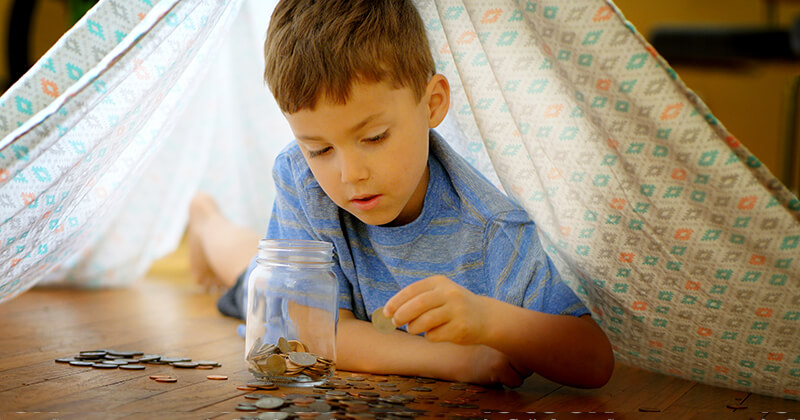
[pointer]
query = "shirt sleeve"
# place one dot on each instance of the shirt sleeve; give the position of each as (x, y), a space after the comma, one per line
(523, 273)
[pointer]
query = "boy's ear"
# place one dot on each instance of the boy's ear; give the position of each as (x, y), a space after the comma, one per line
(437, 95)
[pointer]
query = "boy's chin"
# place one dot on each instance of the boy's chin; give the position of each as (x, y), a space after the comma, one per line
(381, 220)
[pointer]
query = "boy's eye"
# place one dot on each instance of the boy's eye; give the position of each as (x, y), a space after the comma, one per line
(377, 138)
(315, 153)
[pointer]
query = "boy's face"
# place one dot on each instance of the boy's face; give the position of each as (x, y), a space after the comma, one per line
(370, 155)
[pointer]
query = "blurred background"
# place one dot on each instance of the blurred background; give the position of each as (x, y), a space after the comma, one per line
(742, 57)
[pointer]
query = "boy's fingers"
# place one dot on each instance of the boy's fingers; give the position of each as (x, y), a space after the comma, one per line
(428, 321)
(405, 294)
(416, 306)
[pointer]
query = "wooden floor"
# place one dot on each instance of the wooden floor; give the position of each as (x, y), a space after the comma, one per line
(176, 319)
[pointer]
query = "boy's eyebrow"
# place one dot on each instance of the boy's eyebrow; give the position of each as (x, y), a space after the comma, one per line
(351, 130)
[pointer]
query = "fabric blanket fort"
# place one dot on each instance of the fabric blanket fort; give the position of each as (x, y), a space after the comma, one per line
(684, 246)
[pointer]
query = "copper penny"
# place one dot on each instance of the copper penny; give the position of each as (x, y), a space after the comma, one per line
(217, 377)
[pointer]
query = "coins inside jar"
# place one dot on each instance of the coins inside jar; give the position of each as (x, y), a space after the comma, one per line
(288, 361)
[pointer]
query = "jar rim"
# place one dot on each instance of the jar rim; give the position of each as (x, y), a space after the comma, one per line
(296, 244)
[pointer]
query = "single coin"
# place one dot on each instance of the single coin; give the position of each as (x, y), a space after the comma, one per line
(246, 407)
(302, 359)
(265, 385)
(208, 363)
(276, 365)
(124, 353)
(205, 367)
(284, 345)
(458, 387)
(269, 403)
(80, 363)
(381, 322)
(104, 366)
(273, 415)
(159, 376)
(175, 359)
(92, 354)
(132, 367)
(65, 360)
(217, 377)
(422, 389)
(297, 346)
(147, 358)
(118, 362)
(245, 388)
(185, 365)
(168, 379)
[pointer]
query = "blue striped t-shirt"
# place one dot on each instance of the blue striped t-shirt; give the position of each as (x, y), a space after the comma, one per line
(468, 231)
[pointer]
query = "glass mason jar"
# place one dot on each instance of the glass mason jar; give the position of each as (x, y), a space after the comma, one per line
(292, 304)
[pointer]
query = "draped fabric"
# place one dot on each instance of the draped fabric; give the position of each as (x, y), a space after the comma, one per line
(108, 136)
(682, 243)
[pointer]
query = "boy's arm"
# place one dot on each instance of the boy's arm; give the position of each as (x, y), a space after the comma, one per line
(567, 349)
(362, 348)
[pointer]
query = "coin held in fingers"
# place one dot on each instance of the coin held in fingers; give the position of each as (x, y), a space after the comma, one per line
(381, 322)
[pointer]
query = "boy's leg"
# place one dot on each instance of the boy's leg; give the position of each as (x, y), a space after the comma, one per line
(219, 251)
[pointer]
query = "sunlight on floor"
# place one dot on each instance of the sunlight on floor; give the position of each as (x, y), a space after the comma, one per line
(173, 267)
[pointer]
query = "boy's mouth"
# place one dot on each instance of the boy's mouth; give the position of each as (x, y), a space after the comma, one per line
(366, 202)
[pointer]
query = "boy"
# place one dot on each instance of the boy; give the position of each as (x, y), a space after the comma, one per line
(415, 229)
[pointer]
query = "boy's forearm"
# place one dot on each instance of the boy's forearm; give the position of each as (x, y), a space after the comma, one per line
(566, 349)
(362, 348)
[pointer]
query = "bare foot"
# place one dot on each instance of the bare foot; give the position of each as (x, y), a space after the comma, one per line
(219, 251)
(202, 209)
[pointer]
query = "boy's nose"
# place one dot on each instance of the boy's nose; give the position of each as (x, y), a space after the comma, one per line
(353, 168)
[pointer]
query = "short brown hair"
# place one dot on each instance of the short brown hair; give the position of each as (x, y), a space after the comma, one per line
(318, 48)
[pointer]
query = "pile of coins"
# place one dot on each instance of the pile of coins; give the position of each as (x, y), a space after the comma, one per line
(288, 361)
(351, 398)
(131, 360)
(346, 398)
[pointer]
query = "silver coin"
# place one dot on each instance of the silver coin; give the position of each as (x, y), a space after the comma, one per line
(132, 367)
(118, 362)
(269, 403)
(185, 365)
(283, 345)
(92, 354)
(302, 359)
(124, 353)
(81, 363)
(381, 322)
(175, 359)
(147, 358)
(273, 415)
(246, 407)
(65, 360)
(104, 366)
(207, 363)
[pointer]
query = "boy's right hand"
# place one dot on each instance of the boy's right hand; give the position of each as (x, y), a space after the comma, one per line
(489, 366)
